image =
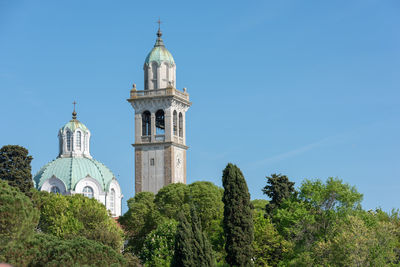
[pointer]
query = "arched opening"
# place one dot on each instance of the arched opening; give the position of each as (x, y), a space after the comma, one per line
(88, 191)
(180, 124)
(146, 123)
(112, 201)
(78, 140)
(175, 122)
(55, 190)
(69, 141)
(160, 122)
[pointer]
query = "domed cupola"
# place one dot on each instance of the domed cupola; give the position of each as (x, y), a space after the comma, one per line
(159, 67)
(74, 139)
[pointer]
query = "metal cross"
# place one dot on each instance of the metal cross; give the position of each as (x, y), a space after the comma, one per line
(74, 105)
(159, 23)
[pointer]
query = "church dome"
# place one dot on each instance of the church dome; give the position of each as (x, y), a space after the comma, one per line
(73, 125)
(159, 53)
(72, 170)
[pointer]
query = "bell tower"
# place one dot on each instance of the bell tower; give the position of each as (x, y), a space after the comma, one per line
(160, 123)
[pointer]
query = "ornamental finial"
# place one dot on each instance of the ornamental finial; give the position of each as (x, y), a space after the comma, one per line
(74, 113)
(159, 41)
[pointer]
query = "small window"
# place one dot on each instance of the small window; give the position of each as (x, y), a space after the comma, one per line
(78, 140)
(175, 121)
(69, 141)
(88, 192)
(180, 125)
(55, 190)
(152, 162)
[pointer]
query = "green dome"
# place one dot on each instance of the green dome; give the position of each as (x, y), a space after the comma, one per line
(73, 125)
(159, 53)
(72, 170)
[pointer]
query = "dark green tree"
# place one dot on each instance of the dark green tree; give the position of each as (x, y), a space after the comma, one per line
(238, 217)
(18, 217)
(278, 188)
(192, 247)
(183, 255)
(15, 167)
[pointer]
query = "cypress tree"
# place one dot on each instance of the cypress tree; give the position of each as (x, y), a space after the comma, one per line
(203, 253)
(192, 247)
(15, 167)
(238, 221)
(183, 255)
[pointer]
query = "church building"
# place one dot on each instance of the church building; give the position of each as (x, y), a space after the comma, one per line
(74, 171)
(160, 123)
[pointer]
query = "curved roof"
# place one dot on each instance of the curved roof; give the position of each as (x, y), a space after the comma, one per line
(72, 170)
(73, 125)
(159, 53)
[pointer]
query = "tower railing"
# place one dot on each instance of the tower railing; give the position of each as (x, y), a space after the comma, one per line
(159, 92)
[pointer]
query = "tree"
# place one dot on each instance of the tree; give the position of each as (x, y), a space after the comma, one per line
(278, 188)
(268, 245)
(141, 218)
(15, 167)
(183, 249)
(158, 247)
(18, 217)
(48, 250)
(238, 221)
(77, 216)
(192, 247)
(171, 199)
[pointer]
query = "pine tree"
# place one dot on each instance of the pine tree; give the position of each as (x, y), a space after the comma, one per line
(15, 167)
(238, 221)
(278, 188)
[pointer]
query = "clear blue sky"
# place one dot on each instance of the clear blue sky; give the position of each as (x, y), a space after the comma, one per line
(310, 89)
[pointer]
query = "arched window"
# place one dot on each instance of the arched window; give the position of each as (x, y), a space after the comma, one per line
(54, 189)
(146, 123)
(180, 125)
(175, 118)
(160, 122)
(78, 140)
(112, 201)
(69, 141)
(88, 192)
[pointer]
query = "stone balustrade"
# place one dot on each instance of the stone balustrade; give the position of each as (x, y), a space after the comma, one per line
(158, 92)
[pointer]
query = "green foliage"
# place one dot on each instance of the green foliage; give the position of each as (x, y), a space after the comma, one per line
(147, 211)
(18, 217)
(171, 199)
(158, 247)
(15, 167)
(238, 221)
(192, 247)
(278, 188)
(259, 205)
(73, 216)
(183, 249)
(269, 246)
(140, 219)
(48, 250)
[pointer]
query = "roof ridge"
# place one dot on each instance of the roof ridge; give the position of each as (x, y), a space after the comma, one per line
(101, 173)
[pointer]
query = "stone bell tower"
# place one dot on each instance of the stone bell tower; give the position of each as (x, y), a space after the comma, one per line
(160, 113)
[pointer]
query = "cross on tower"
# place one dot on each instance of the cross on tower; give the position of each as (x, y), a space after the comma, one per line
(159, 23)
(74, 104)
